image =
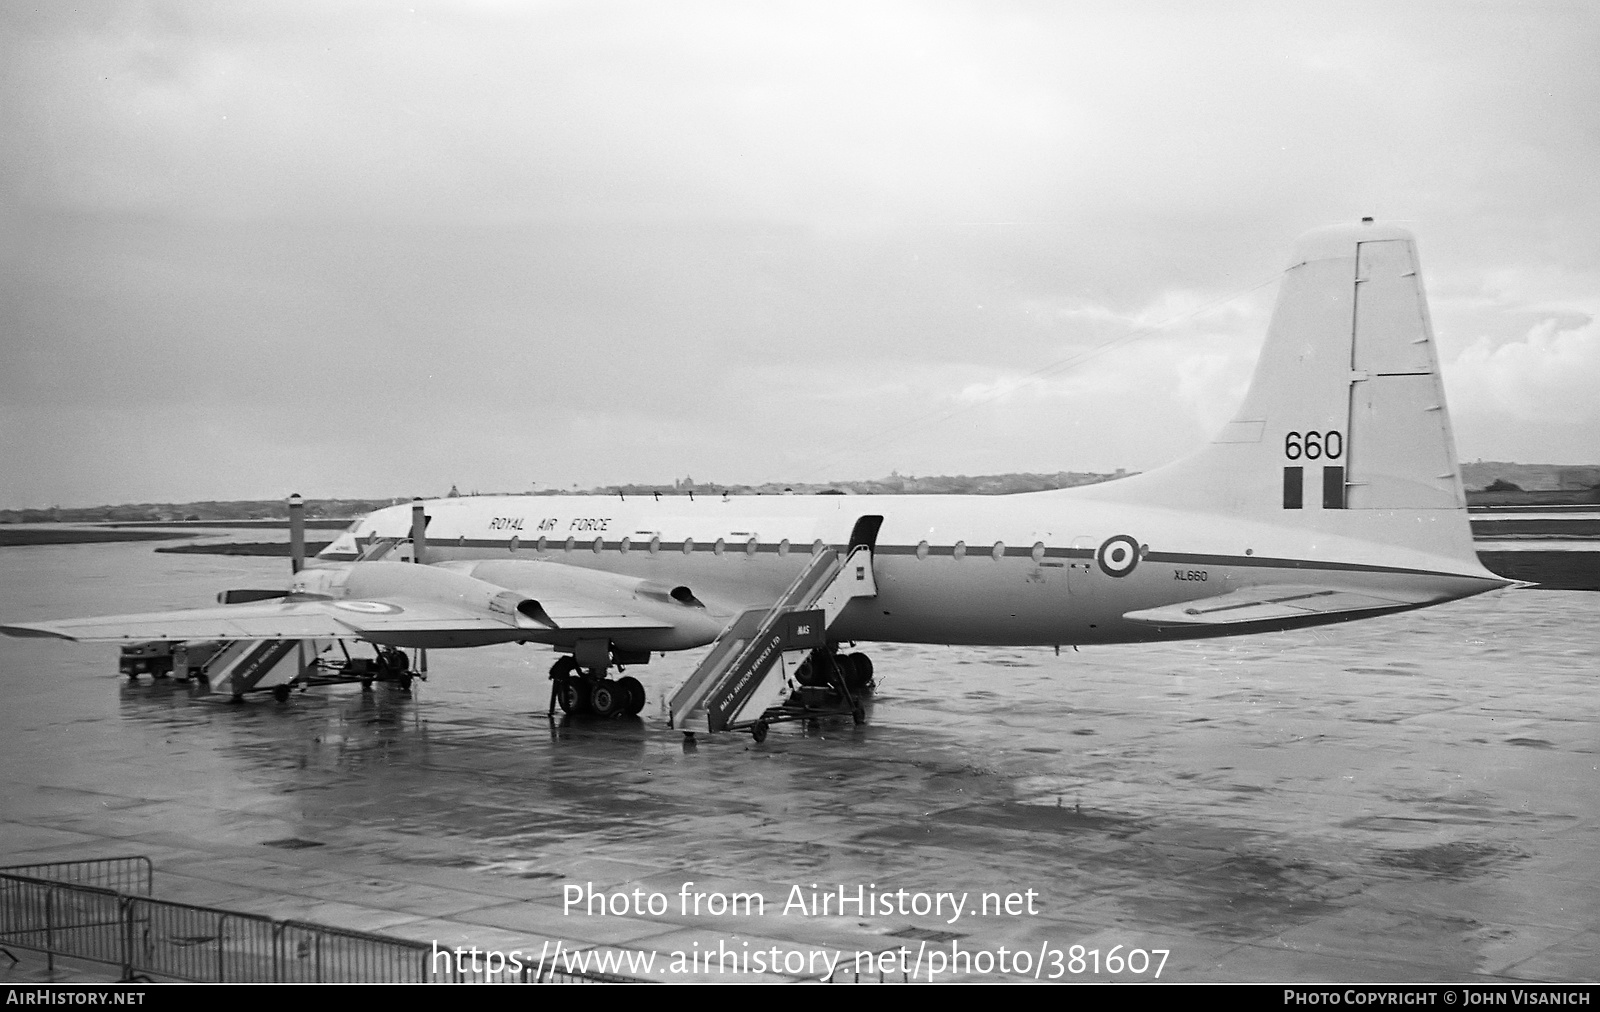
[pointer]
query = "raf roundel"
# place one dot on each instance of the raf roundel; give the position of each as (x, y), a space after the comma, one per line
(370, 607)
(1118, 555)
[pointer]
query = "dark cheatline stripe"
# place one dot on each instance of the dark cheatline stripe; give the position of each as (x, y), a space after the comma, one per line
(973, 551)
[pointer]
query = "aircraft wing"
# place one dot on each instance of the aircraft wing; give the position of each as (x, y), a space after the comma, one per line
(1275, 603)
(399, 604)
(303, 619)
(448, 605)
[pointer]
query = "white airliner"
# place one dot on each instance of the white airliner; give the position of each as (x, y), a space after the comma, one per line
(1334, 494)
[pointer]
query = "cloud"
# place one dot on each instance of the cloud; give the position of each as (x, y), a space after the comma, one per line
(721, 227)
(1551, 375)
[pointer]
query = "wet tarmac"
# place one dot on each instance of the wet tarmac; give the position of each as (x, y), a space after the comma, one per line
(1411, 798)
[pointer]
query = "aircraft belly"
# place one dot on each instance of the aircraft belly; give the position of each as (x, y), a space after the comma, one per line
(1011, 603)
(974, 601)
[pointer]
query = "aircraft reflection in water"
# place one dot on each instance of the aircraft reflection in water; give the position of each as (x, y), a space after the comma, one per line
(1334, 494)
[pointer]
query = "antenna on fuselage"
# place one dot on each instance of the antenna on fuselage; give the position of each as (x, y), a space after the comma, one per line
(419, 530)
(297, 533)
(419, 545)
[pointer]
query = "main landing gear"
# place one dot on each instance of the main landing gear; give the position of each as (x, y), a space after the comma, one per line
(577, 690)
(831, 681)
(828, 683)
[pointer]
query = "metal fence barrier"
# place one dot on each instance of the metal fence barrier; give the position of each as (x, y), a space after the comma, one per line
(101, 912)
(185, 942)
(313, 952)
(64, 919)
(120, 874)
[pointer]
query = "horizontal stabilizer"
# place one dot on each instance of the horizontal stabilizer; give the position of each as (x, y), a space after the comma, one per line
(1273, 604)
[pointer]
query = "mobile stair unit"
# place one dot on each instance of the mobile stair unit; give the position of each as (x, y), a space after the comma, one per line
(281, 666)
(243, 666)
(733, 688)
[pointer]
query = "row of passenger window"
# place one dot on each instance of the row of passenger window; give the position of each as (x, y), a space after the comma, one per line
(998, 552)
(626, 545)
(750, 547)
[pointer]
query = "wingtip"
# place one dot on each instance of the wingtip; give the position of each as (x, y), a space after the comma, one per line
(33, 632)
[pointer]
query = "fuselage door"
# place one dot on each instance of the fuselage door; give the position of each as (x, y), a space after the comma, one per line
(1080, 565)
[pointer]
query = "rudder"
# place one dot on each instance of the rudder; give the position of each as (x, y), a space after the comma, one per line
(1402, 453)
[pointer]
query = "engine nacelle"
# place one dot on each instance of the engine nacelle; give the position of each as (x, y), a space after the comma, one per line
(389, 580)
(394, 585)
(578, 601)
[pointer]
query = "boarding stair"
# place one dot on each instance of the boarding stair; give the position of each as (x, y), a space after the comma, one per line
(733, 687)
(243, 666)
(279, 665)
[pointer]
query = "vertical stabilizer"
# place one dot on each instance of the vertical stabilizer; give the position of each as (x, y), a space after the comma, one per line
(1344, 428)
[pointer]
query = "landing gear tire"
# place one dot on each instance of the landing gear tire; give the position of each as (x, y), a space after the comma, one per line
(281, 692)
(857, 671)
(633, 691)
(844, 664)
(608, 699)
(571, 696)
(404, 681)
(759, 731)
(810, 673)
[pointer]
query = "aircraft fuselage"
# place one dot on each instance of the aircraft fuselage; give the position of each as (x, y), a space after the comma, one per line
(1039, 568)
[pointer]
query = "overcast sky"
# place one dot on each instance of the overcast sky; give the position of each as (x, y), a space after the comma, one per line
(372, 249)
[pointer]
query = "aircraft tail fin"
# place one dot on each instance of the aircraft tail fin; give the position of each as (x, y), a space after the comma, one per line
(1344, 428)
